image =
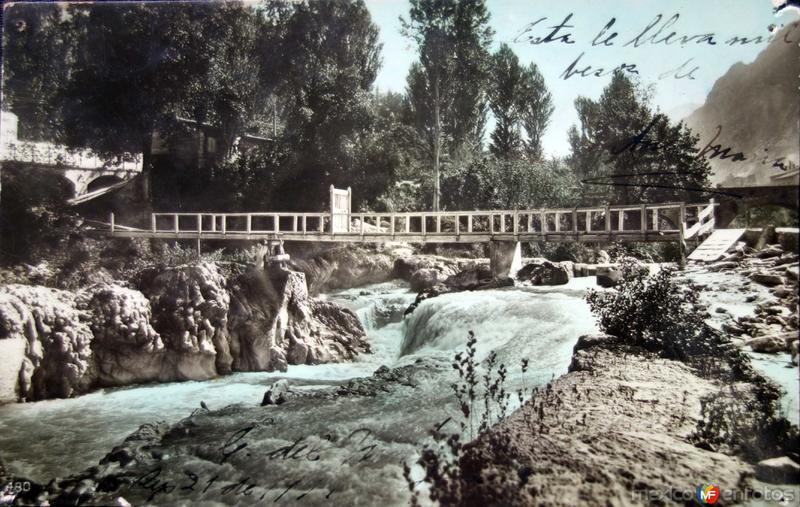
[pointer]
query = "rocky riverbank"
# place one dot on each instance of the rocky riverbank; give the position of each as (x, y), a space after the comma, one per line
(189, 322)
(619, 429)
(752, 296)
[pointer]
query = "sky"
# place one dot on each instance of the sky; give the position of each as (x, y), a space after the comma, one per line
(657, 64)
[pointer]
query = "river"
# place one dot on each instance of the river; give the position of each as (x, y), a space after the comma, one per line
(55, 438)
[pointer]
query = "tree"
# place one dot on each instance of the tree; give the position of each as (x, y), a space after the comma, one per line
(447, 86)
(243, 70)
(504, 102)
(535, 110)
(490, 183)
(134, 69)
(38, 47)
(333, 57)
(626, 153)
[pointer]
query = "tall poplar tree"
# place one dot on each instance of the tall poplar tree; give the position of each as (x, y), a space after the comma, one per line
(504, 100)
(535, 110)
(446, 87)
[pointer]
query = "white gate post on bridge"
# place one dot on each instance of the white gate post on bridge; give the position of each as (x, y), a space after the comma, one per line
(333, 209)
(340, 209)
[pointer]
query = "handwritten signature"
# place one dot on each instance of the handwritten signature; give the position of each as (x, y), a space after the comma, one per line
(711, 150)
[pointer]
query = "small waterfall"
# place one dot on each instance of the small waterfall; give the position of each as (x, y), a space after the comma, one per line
(541, 325)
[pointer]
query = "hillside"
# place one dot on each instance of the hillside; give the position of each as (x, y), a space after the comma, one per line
(758, 108)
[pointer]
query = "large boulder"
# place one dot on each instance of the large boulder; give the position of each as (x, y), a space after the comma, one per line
(769, 344)
(424, 278)
(544, 272)
(770, 251)
(405, 267)
(608, 275)
(277, 394)
(778, 471)
(722, 265)
(768, 279)
(472, 276)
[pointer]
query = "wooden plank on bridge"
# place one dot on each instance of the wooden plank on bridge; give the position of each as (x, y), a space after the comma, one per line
(715, 246)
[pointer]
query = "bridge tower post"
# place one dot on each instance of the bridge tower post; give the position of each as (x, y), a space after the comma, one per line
(505, 258)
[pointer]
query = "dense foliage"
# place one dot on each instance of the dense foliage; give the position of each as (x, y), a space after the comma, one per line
(114, 77)
(34, 218)
(625, 152)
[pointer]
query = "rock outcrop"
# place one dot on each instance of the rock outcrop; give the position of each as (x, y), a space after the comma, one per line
(190, 309)
(544, 272)
(185, 322)
(57, 358)
(126, 348)
(345, 267)
(587, 437)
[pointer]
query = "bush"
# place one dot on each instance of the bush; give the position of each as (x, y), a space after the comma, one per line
(745, 422)
(658, 314)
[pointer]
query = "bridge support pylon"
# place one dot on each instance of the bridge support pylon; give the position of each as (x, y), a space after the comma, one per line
(505, 258)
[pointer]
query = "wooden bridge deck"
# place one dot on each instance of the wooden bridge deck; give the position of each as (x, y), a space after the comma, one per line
(645, 222)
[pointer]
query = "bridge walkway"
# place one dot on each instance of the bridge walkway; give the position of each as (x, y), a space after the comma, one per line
(643, 222)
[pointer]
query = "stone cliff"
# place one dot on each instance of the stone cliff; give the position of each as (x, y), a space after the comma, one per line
(182, 323)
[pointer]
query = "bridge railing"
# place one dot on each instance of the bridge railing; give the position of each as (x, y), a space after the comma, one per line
(703, 224)
(240, 223)
(672, 220)
(57, 155)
